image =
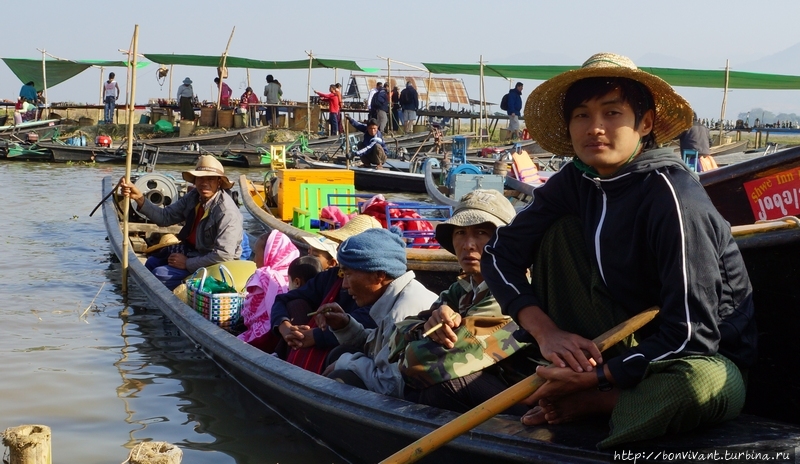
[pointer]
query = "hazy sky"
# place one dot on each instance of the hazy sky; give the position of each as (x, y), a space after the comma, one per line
(677, 33)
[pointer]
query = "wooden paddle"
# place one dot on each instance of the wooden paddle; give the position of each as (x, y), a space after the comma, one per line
(509, 397)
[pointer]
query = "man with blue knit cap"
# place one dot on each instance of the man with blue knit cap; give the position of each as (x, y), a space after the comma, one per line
(373, 264)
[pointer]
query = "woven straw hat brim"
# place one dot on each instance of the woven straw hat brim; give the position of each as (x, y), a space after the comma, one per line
(354, 226)
(321, 244)
(545, 105)
(208, 166)
(463, 218)
(166, 240)
(189, 176)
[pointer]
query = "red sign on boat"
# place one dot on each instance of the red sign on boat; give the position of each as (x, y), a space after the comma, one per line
(775, 196)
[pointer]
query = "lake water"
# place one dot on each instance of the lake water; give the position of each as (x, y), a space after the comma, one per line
(105, 376)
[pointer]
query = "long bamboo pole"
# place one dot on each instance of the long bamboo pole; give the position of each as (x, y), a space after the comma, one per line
(507, 398)
(44, 78)
(308, 92)
(724, 101)
(388, 93)
(128, 157)
(221, 71)
(102, 69)
(169, 97)
(480, 123)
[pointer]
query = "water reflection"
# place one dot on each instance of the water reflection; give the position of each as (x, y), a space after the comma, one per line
(213, 405)
(109, 376)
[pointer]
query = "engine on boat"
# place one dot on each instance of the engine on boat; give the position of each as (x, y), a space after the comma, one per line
(162, 190)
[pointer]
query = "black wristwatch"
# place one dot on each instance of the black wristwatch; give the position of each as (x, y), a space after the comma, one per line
(602, 382)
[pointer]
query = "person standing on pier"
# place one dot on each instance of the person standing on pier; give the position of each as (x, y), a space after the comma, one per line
(185, 100)
(110, 97)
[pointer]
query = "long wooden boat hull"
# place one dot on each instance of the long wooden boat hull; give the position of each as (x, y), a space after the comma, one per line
(367, 427)
(167, 155)
(19, 131)
(252, 135)
(725, 185)
(436, 268)
(433, 190)
(726, 148)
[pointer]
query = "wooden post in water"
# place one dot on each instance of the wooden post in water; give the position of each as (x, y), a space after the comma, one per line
(155, 452)
(28, 444)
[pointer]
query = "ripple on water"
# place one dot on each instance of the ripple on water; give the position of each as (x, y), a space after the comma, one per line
(107, 378)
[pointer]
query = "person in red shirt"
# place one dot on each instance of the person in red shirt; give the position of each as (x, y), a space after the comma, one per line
(225, 93)
(334, 101)
(249, 101)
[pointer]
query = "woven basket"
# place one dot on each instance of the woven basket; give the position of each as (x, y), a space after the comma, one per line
(223, 308)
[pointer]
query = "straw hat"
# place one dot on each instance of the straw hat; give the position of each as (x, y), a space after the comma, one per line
(354, 226)
(321, 243)
(165, 241)
(476, 207)
(544, 109)
(187, 81)
(208, 166)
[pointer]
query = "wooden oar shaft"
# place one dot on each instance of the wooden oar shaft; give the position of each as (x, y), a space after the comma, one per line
(504, 400)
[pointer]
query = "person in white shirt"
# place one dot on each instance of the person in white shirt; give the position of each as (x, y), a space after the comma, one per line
(110, 97)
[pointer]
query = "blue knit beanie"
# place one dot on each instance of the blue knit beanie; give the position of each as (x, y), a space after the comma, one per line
(375, 250)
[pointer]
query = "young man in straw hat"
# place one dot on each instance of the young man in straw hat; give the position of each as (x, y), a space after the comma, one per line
(289, 314)
(624, 227)
(213, 224)
(445, 375)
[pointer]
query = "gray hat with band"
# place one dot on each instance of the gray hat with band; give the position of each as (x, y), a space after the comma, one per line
(476, 207)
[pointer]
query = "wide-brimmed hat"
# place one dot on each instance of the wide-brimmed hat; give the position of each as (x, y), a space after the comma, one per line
(544, 108)
(187, 81)
(208, 166)
(318, 242)
(165, 241)
(476, 207)
(354, 226)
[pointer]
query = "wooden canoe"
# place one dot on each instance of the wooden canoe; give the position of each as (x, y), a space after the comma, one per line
(252, 135)
(366, 427)
(166, 155)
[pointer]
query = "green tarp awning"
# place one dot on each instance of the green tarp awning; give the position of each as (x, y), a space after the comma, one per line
(113, 64)
(237, 62)
(57, 71)
(28, 69)
(714, 79)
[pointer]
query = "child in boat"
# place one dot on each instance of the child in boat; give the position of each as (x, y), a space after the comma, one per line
(307, 344)
(625, 226)
(303, 269)
(274, 253)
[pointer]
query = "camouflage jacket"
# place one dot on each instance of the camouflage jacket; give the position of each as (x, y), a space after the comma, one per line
(485, 337)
